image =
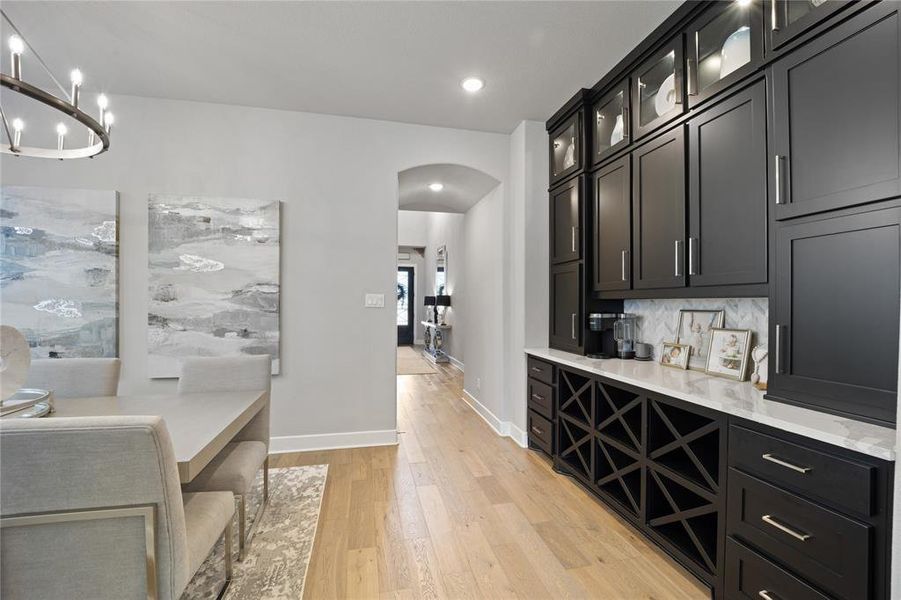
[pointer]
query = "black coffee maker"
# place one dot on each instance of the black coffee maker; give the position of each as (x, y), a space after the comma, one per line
(600, 326)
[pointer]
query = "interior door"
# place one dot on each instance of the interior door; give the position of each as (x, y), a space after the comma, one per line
(406, 302)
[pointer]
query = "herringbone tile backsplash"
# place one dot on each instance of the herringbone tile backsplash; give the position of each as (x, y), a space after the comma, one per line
(657, 319)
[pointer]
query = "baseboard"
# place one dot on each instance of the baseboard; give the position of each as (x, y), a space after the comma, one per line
(502, 428)
(331, 441)
(455, 363)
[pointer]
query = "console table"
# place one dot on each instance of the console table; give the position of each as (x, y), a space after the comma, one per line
(434, 340)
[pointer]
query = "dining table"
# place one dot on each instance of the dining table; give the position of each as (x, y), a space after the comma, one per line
(200, 424)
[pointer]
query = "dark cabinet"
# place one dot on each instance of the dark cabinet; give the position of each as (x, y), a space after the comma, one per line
(787, 19)
(566, 148)
(727, 242)
(566, 222)
(658, 212)
(835, 313)
(657, 89)
(612, 227)
(724, 45)
(611, 123)
(566, 307)
(836, 123)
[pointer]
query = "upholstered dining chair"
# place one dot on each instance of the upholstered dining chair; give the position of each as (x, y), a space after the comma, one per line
(90, 507)
(234, 469)
(75, 377)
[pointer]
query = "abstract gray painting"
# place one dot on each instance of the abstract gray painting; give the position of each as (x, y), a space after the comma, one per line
(214, 279)
(59, 255)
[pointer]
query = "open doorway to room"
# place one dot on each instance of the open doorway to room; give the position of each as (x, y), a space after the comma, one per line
(406, 298)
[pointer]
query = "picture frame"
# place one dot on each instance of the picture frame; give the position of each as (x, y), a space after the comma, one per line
(675, 356)
(693, 329)
(729, 353)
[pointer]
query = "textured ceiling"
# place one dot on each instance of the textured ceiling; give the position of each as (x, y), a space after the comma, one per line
(398, 61)
(463, 188)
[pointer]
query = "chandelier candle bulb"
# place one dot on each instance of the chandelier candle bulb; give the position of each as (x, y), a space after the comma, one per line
(110, 119)
(16, 48)
(61, 132)
(18, 126)
(76, 78)
(102, 102)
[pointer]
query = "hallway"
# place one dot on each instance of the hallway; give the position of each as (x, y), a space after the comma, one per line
(455, 511)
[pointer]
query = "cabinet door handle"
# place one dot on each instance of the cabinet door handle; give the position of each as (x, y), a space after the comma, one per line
(786, 464)
(777, 170)
(537, 397)
(623, 264)
(779, 369)
(572, 325)
(574, 239)
(691, 256)
(678, 268)
(626, 126)
(537, 370)
(774, 16)
(769, 520)
(766, 595)
(536, 430)
(692, 71)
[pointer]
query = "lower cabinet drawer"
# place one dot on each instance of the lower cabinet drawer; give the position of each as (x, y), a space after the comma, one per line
(541, 398)
(750, 576)
(541, 432)
(818, 544)
(540, 370)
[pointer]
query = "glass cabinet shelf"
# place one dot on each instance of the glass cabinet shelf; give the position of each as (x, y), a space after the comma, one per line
(611, 122)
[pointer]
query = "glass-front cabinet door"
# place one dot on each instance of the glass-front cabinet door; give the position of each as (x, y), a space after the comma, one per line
(657, 94)
(566, 148)
(787, 19)
(724, 44)
(611, 122)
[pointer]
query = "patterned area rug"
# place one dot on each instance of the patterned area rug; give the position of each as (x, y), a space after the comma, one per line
(411, 362)
(280, 545)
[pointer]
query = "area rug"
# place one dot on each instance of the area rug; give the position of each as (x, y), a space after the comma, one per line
(275, 566)
(411, 362)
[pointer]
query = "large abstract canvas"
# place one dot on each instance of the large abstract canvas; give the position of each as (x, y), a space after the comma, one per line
(59, 254)
(214, 279)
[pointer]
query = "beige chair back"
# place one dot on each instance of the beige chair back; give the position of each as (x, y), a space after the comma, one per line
(92, 486)
(231, 374)
(75, 377)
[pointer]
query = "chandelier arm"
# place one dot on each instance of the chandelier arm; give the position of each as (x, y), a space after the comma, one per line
(6, 127)
(36, 55)
(36, 93)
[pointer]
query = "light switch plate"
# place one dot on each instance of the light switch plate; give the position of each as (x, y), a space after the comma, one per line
(374, 301)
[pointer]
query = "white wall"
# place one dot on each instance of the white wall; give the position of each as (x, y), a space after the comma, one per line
(337, 178)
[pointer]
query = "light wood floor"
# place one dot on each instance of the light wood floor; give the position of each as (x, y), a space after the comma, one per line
(456, 511)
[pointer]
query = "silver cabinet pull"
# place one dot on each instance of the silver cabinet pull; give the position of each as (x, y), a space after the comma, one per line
(691, 256)
(572, 325)
(626, 127)
(623, 264)
(786, 464)
(774, 16)
(769, 520)
(536, 430)
(766, 595)
(574, 239)
(678, 269)
(692, 74)
(537, 370)
(537, 397)
(779, 369)
(777, 170)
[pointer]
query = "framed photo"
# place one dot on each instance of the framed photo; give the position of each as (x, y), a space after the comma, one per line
(694, 330)
(729, 352)
(675, 355)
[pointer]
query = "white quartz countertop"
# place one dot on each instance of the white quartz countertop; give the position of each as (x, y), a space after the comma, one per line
(735, 398)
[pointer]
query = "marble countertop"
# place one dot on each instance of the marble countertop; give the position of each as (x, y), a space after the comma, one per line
(735, 398)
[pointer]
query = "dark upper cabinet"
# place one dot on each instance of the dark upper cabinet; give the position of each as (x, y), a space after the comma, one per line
(566, 307)
(658, 212)
(566, 222)
(723, 45)
(834, 325)
(612, 227)
(727, 242)
(836, 123)
(657, 89)
(566, 148)
(787, 19)
(611, 123)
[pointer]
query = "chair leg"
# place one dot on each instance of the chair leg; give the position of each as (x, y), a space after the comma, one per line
(240, 500)
(266, 479)
(228, 561)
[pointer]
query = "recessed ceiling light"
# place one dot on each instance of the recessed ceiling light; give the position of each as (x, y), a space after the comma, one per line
(436, 187)
(472, 84)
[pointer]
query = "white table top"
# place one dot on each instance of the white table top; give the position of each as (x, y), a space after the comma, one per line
(200, 424)
(735, 398)
(434, 325)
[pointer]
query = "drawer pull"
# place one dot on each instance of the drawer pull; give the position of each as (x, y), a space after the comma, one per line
(537, 369)
(536, 430)
(787, 465)
(766, 595)
(785, 529)
(537, 397)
